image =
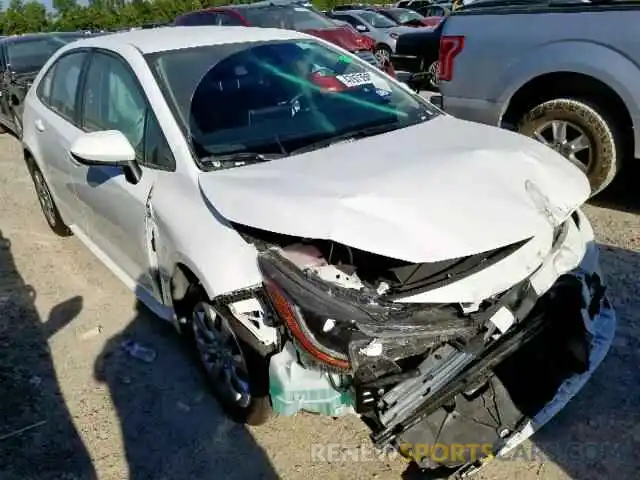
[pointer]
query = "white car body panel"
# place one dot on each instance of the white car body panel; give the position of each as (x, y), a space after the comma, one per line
(430, 207)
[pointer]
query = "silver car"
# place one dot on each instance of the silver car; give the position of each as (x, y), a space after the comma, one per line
(381, 29)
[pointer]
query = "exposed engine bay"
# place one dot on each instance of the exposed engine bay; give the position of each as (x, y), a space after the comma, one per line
(428, 373)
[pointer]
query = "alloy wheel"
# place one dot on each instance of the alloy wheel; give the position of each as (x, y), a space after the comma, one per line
(221, 355)
(383, 55)
(569, 140)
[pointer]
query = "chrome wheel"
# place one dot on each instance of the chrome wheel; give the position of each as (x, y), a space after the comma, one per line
(44, 197)
(433, 74)
(221, 355)
(17, 124)
(569, 140)
(383, 55)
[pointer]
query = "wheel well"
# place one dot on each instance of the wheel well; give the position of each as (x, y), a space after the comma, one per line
(382, 45)
(184, 285)
(567, 84)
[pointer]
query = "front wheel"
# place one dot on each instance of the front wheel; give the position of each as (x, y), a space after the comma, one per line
(582, 132)
(238, 374)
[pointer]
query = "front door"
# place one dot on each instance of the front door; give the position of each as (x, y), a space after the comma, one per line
(118, 218)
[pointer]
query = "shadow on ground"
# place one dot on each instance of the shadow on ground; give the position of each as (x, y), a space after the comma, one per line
(37, 436)
(623, 194)
(597, 435)
(171, 425)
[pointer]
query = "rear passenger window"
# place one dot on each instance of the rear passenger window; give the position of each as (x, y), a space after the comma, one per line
(60, 94)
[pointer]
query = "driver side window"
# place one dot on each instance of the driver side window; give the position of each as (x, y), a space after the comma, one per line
(113, 100)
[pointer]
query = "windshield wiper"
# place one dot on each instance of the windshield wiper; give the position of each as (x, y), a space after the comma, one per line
(348, 136)
(238, 159)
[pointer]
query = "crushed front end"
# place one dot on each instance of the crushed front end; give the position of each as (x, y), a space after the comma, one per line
(455, 374)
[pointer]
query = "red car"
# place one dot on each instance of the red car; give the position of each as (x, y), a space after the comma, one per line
(291, 17)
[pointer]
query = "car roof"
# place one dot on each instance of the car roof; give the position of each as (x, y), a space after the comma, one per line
(175, 38)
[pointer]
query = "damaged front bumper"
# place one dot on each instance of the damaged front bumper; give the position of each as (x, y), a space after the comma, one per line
(436, 375)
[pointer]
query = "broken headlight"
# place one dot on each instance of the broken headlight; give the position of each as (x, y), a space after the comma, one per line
(322, 324)
(356, 331)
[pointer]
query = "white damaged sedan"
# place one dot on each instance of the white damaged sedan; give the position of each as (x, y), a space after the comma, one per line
(329, 240)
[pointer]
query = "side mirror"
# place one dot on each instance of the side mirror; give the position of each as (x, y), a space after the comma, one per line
(107, 148)
(362, 28)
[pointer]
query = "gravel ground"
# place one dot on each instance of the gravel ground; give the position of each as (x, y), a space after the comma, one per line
(88, 410)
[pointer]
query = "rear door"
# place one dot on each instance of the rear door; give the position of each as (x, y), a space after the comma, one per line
(54, 128)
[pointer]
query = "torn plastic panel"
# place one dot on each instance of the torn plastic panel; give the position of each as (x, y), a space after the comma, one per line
(510, 382)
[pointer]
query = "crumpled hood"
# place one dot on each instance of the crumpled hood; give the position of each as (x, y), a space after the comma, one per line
(442, 189)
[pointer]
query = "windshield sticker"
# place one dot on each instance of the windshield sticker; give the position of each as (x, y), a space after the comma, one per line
(382, 86)
(355, 79)
(344, 59)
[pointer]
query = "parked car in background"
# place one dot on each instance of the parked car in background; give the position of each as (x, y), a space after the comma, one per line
(382, 30)
(406, 17)
(21, 57)
(415, 5)
(572, 83)
(450, 295)
(291, 17)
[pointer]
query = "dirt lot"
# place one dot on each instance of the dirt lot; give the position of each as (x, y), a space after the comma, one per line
(74, 406)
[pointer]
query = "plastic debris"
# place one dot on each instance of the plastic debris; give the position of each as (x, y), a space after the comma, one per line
(93, 332)
(138, 351)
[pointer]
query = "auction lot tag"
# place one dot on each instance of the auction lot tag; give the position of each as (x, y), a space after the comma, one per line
(355, 79)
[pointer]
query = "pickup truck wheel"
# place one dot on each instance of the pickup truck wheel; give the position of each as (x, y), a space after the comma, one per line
(582, 132)
(47, 204)
(238, 374)
(433, 75)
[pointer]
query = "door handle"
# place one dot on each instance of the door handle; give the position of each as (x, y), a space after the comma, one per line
(39, 125)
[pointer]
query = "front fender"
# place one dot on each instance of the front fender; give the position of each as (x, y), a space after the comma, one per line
(192, 233)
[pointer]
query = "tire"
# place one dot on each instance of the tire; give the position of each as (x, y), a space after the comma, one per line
(604, 155)
(255, 408)
(47, 204)
(433, 75)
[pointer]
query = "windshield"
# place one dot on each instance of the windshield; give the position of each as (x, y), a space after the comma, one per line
(291, 18)
(277, 97)
(377, 20)
(26, 55)
(405, 15)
